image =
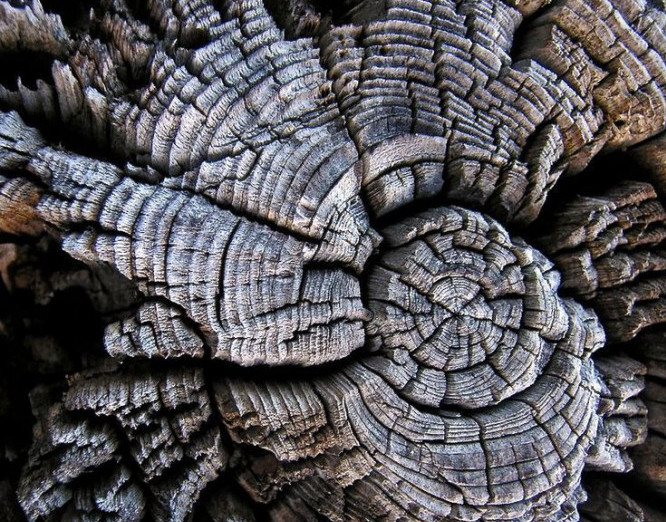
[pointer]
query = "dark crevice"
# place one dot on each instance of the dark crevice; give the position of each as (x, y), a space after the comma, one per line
(194, 38)
(656, 379)
(227, 441)
(227, 484)
(17, 240)
(521, 45)
(226, 480)
(23, 174)
(46, 332)
(75, 15)
(628, 484)
(311, 18)
(67, 137)
(634, 345)
(220, 369)
(604, 172)
(141, 11)
(227, 10)
(134, 79)
(28, 67)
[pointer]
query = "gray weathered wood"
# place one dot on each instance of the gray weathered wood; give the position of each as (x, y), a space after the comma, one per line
(364, 287)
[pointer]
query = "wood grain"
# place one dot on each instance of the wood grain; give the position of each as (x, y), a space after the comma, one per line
(375, 275)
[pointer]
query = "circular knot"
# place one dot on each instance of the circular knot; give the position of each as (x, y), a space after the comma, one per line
(463, 314)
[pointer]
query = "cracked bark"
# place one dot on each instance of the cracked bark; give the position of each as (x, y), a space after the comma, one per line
(376, 260)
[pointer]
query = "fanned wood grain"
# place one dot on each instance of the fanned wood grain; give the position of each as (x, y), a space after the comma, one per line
(612, 52)
(649, 458)
(624, 415)
(610, 249)
(66, 472)
(379, 456)
(504, 123)
(243, 286)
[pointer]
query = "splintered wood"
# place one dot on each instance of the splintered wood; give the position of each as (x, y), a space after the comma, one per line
(337, 315)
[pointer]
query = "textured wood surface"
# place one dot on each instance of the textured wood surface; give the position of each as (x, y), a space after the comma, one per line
(374, 260)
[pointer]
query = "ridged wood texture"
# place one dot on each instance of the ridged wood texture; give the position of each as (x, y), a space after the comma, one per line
(338, 314)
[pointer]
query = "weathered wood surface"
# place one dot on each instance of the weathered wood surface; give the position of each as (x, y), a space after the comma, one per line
(363, 261)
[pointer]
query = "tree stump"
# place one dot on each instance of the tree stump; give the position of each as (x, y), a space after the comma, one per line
(305, 260)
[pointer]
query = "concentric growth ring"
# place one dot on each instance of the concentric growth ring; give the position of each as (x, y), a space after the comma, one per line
(464, 315)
